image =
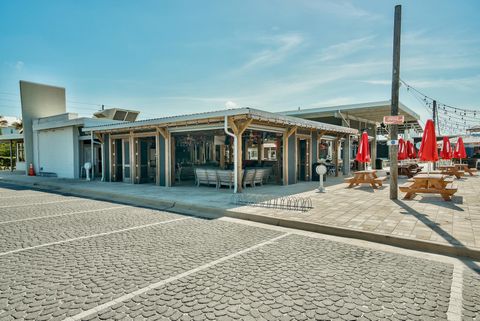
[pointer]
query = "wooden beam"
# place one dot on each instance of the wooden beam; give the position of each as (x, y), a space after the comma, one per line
(162, 131)
(157, 158)
(242, 126)
(291, 131)
(99, 137)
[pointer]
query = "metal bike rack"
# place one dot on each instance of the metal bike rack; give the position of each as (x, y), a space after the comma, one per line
(294, 203)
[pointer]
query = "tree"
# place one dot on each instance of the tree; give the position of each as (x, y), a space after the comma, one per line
(3, 121)
(18, 125)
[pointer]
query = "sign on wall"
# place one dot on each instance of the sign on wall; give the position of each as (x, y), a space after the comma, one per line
(394, 120)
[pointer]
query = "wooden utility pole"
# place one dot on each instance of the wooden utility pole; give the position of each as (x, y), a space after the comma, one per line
(435, 124)
(394, 111)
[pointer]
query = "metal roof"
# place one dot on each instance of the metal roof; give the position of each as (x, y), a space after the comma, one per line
(250, 112)
(372, 111)
(9, 137)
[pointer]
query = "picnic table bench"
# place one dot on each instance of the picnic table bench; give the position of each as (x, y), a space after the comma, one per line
(466, 169)
(451, 170)
(365, 177)
(429, 184)
(408, 170)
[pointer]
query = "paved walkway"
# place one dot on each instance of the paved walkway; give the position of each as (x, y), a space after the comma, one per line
(427, 219)
(72, 258)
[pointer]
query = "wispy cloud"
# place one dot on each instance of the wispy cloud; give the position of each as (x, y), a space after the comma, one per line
(464, 84)
(280, 47)
(382, 82)
(345, 48)
(341, 9)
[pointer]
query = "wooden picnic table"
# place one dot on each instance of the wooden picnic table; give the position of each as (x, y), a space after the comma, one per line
(408, 170)
(466, 169)
(451, 170)
(365, 177)
(430, 184)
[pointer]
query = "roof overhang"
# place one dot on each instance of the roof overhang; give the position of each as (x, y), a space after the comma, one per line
(218, 116)
(366, 112)
(11, 137)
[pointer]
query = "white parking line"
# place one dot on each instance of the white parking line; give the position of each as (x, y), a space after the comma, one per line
(454, 312)
(130, 295)
(64, 214)
(31, 204)
(92, 236)
(25, 195)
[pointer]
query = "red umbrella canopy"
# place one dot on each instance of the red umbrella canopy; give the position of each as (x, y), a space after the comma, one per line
(428, 149)
(460, 151)
(412, 153)
(363, 155)
(402, 149)
(446, 152)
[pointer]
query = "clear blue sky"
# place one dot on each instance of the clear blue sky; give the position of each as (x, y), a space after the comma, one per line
(173, 57)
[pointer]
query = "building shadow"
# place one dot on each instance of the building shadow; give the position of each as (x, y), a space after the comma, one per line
(439, 231)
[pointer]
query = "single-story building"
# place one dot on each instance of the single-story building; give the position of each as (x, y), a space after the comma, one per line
(363, 117)
(168, 151)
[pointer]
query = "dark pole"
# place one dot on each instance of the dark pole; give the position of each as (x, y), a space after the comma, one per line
(435, 124)
(394, 111)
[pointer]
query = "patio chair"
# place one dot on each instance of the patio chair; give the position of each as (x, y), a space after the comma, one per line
(201, 176)
(225, 178)
(212, 177)
(261, 176)
(249, 177)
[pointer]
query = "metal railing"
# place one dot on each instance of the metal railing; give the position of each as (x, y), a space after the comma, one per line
(294, 203)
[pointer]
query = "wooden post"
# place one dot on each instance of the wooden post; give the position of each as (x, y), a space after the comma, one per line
(394, 108)
(113, 159)
(157, 158)
(222, 156)
(133, 156)
(238, 129)
(336, 152)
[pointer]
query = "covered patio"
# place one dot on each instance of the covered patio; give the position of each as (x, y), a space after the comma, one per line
(232, 148)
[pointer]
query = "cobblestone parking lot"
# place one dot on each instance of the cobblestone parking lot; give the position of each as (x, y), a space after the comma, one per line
(72, 258)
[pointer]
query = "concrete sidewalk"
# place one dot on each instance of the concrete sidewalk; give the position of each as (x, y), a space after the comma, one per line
(426, 223)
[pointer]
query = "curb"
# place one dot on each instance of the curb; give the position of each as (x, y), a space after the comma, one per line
(212, 213)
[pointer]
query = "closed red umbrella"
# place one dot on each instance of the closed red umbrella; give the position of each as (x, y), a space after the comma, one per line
(446, 152)
(402, 149)
(428, 149)
(363, 154)
(460, 151)
(412, 153)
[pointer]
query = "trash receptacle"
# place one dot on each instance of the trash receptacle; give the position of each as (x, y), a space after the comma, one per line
(379, 163)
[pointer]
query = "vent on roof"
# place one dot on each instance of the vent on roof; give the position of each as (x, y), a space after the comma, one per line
(118, 114)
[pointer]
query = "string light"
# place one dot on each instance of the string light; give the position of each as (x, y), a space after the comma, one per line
(453, 119)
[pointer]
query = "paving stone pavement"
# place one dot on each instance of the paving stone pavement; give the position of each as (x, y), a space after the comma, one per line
(23, 234)
(62, 280)
(302, 276)
(299, 278)
(52, 209)
(425, 218)
(471, 295)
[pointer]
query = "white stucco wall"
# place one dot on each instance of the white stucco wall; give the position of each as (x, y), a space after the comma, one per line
(55, 151)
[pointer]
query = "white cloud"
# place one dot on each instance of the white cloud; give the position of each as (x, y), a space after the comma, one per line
(281, 47)
(464, 84)
(345, 48)
(19, 65)
(341, 9)
(378, 82)
(230, 104)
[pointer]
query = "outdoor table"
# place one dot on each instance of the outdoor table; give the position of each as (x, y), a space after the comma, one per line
(408, 170)
(365, 177)
(451, 170)
(431, 184)
(466, 169)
